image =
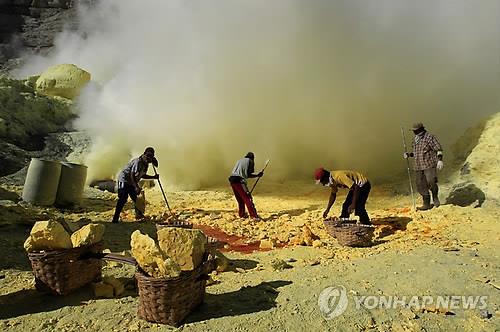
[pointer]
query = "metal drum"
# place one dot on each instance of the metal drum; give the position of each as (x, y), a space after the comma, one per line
(42, 181)
(71, 184)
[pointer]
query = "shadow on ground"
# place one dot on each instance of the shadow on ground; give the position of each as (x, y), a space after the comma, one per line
(245, 264)
(244, 301)
(11, 247)
(8, 195)
(390, 225)
(94, 205)
(31, 301)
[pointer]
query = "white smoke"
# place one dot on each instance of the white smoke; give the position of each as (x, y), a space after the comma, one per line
(305, 83)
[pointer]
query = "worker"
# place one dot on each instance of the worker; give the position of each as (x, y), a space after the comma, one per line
(244, 169)
(128, 181)
(358, 186)
(428, 155)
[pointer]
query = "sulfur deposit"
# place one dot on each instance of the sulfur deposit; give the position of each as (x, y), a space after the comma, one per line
(87, 235)
(184, 246)
(150, 258)
(65, 80)
(47, 235)
(482, 166)
(51, 235)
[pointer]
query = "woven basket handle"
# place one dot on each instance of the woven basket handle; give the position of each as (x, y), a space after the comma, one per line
(120, 259)
(112, 257)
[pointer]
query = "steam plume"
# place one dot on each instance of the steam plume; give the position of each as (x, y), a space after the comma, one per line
(305, 83)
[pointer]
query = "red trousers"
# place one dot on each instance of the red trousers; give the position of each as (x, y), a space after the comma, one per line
(244, 198)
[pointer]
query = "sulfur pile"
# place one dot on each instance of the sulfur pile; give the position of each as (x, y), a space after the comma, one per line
(64, 80)
(480, 174)
(177, 250)
(304, 230)
(51, 235)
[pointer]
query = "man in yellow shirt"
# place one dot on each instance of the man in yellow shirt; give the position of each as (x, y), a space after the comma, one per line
(359, 189)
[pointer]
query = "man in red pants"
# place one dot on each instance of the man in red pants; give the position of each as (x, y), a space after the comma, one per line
(243, 170)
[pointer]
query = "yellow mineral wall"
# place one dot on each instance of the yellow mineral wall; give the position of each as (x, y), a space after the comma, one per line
(482, 166)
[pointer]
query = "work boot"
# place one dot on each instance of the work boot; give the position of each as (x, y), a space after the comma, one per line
(427, 203)
(365, 221)
(435, 198)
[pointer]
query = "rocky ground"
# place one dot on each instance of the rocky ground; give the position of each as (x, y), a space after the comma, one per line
(279, 266)
(30, 27)
(26, 118)
(446, 251)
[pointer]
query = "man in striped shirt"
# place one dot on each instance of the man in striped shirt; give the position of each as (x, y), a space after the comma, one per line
(359, 189)
(428, 155)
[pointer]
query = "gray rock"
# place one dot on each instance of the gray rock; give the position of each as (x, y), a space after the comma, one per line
(12, 158)
(465, 194)
(485, 314)
(30, 27)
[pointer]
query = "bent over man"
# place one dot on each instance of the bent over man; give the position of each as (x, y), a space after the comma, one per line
(359, 189)
(244, 169)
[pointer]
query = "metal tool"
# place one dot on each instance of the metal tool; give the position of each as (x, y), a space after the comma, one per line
(162, 191)
(265, 166)
(408, 169)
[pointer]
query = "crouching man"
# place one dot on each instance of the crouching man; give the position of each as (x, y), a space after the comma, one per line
(359, 189)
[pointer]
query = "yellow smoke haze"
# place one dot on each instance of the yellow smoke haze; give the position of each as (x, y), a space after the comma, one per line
(304, 83)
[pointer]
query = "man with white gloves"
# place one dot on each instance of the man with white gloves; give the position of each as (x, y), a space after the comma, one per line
(428, 155)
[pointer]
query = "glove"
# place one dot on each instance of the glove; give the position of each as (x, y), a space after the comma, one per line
(439, 165)
(260, 174)
(154, 162)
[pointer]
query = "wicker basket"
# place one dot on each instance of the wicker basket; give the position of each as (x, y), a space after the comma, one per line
(171, 300)
(350, 234)
(64, 271)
